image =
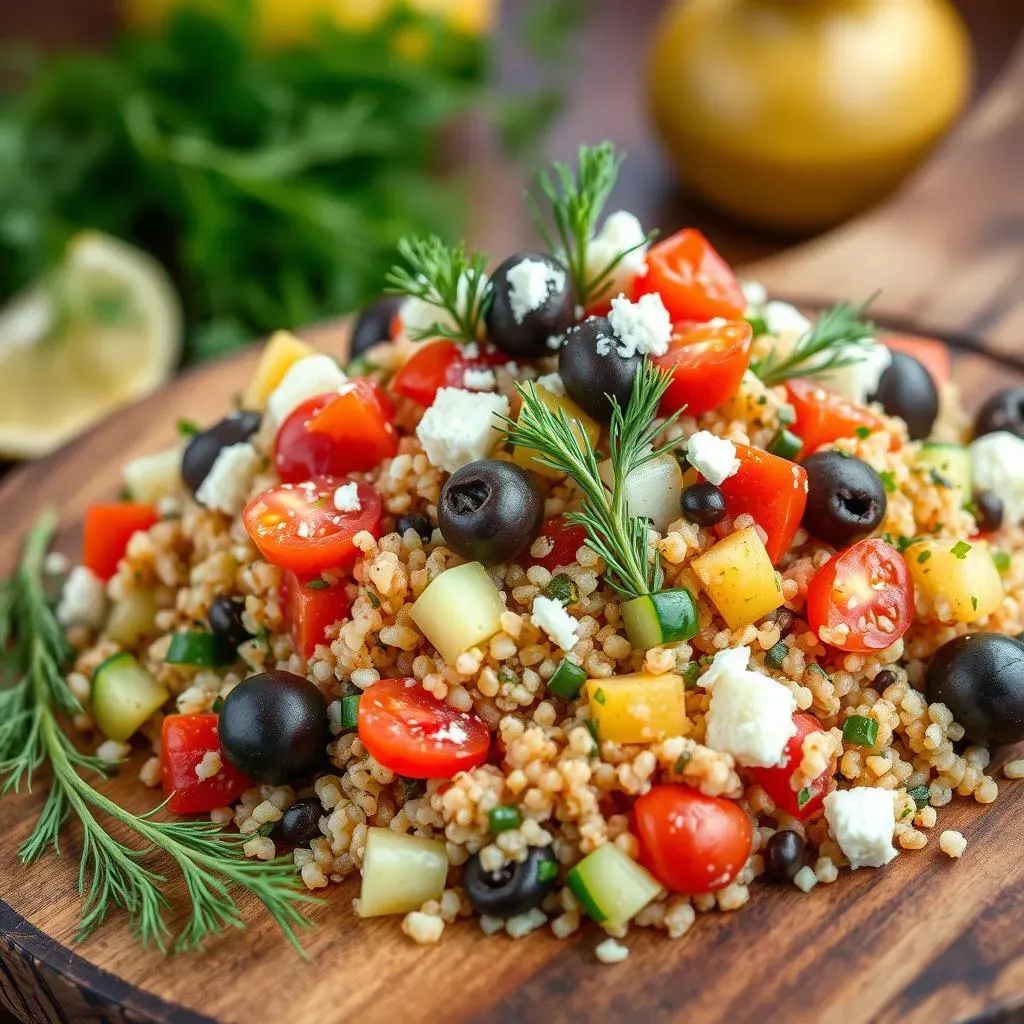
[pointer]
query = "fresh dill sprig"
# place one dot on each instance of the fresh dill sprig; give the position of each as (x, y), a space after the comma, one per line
(447, 277)
(633, 567)
(576, 202)
(112, 873)
(829, 345)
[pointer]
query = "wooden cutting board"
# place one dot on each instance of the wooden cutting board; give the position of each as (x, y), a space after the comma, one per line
(926, 940)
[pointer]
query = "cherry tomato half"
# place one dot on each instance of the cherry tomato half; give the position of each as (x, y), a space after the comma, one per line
(341, 432)
(184, 741)
(824, 415)
(107, 530)
(694, 282)
(707, 362)
(866, 588)
(414, 734)
(562, 539)
(311, 607)
(441, 364)
(690, 842)
(771, 489)
(776, 781)
(297, 527)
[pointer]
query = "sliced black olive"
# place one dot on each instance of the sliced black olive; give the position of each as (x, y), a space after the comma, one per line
(489, 511)
(273, 727)
(225, 618)
(531, 301)
(980, 678)
(784, 856)
(702, 503)
(203, 449)
(373, 325)
(906, 389)
(301, 822)
(516, 889)
(988, 508)
(845, 498)
(419, 523)
(592, 368)
(1003, 411)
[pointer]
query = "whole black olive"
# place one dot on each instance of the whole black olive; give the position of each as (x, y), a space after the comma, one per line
(419, 523)
(592, 368)
(980, 678)
(373, 325)
(516, 889)
(301, 822)
(273, 727)
(703, 504)
(845, 498)
(1003, 411)
(784, 856)
(988, 509)
(489, 511)
(906, 389)
(203, 449)
(225, 618)
(531, 301)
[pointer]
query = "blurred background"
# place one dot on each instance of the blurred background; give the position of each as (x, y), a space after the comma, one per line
(178, 177)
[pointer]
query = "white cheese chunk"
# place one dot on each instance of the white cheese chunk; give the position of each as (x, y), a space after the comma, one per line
(750, 715)
(305, 379)
(552, 382)
(756, 295)
(620, 231)
(550, 616)
(997, 465)
(530, 284)
(782, 318)
(419, 317)
(713, 457)
(227, 485)
(346, 498)
(461, 427)
(83, 601)
(860, 377)
(862, 821)
(479, 379)
(643, 326)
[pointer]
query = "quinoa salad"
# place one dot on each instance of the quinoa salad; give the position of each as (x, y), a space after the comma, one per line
(598, 586)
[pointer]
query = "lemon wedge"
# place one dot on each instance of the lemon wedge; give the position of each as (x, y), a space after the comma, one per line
(103, 329)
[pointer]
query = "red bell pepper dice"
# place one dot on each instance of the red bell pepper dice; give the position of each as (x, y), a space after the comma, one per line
(107, 530)
(311, 608)
(184, 743)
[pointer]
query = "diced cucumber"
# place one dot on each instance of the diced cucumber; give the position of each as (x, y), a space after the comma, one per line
(400, 872)
(567, 681)
(662, 618)
(611, 886)
(123, 695)
(950, 462)
(786, 445)
(133, 618)
(200, 649)
(152, 477)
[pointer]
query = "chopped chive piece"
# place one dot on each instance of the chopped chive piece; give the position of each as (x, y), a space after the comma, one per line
(507, 676)
(567, 680)
(599, 696)
(863, 432)
(817, 668)
(776, 655)
(803, 797)
(681, 762)
(888, 480)
(1001, 560)
(691, 674)
(860, 731)
(939, 480)
(960, 549)
(905, 812)
(974, 603)
(317, 585)
(591, 724)
(265, 829)
(413, 789)
(547, 870)
(350, 711)
(186, 428)
(217, 705)
(562, 588)
(372, 598)
(920, 796)
(758, 325)
(785, 444)
(923, 557)
(504, 817)
(902, 543)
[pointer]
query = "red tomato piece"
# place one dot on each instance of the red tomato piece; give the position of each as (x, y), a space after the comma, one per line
(297, 527)
(441, 364)
(337, 433)
(184, 741)
(824, 415)
(776, 781)
(694, 282)
(771, 489)
(867, 588)
(707, 363)
(107, 530)
(690, 842)
(416, 735)
(564, 540)
(932, 354)
(311, 608)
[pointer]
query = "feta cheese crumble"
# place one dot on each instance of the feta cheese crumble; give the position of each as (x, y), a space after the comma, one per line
(305, 379)
(611, 952)
(553, 619)
(997, 465)
(860, 377)
(461, 427)
(782, 318)
(713, 457)
(530, 284)
(862, 821)
(346, 498)
(750, 715)
(83, 601)
(552, 382)
(227, 485)
(475, 379)
(619, 232)
(756, 295)
(643, 326)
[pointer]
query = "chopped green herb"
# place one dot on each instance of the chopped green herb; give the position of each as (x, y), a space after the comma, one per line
(504, 817)
(217, 705)
(939, 480)
(690, 674)
(350, 711)
(186, 428)
(974, 603)
(547, 870)
(413, 789)
(372, 598)
(567, 680)
(970, 508)
(960, 549)
(563, 589)
(776, 655)
(125, 494)
(905, 812)
(591, 725)
(817, 668)
(888, 480)
(920, 795)
(265, 829)
(803, 797)
(860, 731)
(507, 677)
(923, 557)
(317, 585)
(681, 762)
(1001, 560)
(599, 696)
(902, 543)
(863, 432)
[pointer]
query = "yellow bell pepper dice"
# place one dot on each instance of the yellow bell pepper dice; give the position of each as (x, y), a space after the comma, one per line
(958, 577)
(739, 578)
(278, 356)
(638, 708)
(582, 425)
